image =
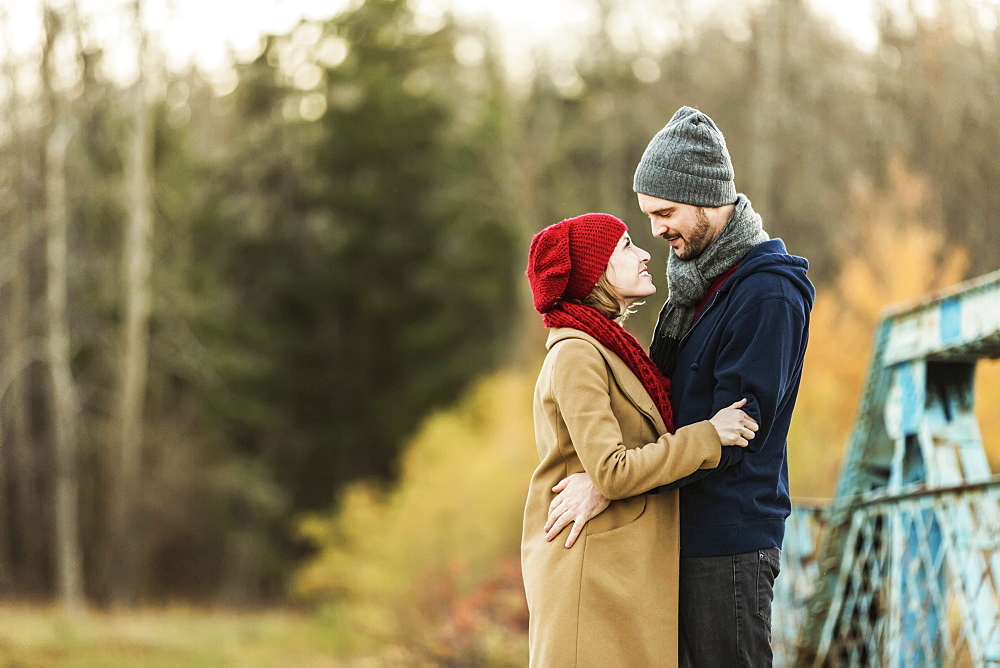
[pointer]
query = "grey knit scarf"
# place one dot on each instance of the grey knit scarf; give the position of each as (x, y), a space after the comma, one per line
(689, 280)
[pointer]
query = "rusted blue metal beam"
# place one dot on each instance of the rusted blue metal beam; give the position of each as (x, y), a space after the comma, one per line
(891, 571)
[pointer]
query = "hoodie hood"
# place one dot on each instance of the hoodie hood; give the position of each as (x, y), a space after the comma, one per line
(771, 257)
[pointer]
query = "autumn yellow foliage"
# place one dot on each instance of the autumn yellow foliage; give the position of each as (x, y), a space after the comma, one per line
(430, 569)
(892, 254)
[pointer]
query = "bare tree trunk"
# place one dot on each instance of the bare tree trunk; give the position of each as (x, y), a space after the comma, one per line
(769, 35)
(22, 451)
(25, 522)
(535, 145)
(613, 178)
(64, 410)
(135, 357)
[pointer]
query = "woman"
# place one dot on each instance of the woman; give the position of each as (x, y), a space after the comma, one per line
(602, 406)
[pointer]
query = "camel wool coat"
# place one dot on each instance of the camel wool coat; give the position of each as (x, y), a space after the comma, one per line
(611, 599)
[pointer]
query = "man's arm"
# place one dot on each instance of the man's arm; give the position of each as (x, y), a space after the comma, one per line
(758, 361)
(578, 500)
(581, 386)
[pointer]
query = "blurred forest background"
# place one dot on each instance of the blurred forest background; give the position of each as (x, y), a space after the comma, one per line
(266, 341)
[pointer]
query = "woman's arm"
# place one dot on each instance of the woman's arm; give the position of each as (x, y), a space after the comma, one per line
(581, 383)
(581, 386)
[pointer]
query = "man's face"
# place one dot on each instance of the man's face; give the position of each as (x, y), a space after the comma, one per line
(686, 228)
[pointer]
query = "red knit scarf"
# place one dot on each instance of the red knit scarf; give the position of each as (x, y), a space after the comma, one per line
(613, 336)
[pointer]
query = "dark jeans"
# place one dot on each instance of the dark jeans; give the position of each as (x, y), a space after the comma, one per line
(725, 609)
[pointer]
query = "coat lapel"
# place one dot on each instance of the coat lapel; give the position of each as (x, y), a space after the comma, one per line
(627, 381)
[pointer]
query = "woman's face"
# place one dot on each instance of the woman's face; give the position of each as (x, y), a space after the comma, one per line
(627, 271)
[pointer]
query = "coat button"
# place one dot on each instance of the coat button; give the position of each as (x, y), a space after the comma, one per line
(694, 367)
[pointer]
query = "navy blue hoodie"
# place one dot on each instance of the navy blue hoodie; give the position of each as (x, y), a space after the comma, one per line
(749, 341)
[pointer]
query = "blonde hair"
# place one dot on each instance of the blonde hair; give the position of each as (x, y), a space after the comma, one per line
(606, 300)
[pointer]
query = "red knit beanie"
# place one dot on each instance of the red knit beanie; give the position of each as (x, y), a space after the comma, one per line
(567, 259)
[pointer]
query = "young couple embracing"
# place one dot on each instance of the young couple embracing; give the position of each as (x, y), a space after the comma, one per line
(654, 521)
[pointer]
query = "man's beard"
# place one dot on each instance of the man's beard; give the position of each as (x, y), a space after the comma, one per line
(697, 241)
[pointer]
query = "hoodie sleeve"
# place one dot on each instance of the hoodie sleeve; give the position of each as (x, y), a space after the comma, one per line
(760, 359)
(581, 385)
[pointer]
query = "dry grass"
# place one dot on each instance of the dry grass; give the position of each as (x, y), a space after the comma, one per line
(176, 636)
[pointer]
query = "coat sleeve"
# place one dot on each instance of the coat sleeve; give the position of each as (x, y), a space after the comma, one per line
(759, 360)
(581, 386)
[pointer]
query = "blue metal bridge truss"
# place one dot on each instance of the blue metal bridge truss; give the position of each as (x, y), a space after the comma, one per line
(902, 568)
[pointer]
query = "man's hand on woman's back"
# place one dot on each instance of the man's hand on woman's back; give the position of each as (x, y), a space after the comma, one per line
(577, 501)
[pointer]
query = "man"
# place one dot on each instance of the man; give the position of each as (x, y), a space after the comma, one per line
(735, 325)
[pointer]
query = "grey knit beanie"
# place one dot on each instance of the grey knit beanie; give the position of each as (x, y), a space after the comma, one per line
(687, 162)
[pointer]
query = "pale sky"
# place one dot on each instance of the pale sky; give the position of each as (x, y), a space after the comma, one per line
(204, 31)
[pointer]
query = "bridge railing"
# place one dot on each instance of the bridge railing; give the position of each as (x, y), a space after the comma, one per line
(797, 579)
(917, 583)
